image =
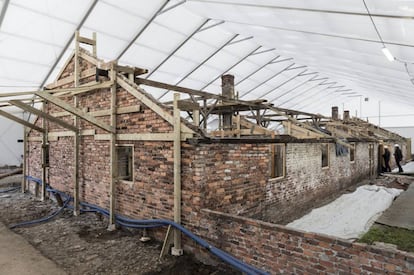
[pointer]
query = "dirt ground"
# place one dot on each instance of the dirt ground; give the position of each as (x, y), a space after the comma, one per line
(82, 245)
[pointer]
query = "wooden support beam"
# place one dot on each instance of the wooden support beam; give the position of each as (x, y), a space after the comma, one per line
(119, 111)
(144, 137)
(88, 58)
(131, 70)
(124, 83)
(62, 104)
(24, 170)
(166, 86)
(86, 40)
(186, 105)
(21, 121)
(45, 154)
(76, 139)
(113, 152)
(177, 249)
(84, 74)
(42, 114)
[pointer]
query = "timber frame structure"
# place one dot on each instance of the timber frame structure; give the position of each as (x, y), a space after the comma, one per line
(239, 121)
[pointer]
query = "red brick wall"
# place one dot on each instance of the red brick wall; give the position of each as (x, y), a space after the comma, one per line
(280, 250)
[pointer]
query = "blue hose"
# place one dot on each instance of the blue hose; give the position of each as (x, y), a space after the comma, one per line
(10, 189)
(132, 223)
(41, 220)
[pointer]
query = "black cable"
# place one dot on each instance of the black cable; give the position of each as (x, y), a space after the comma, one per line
(373, 23)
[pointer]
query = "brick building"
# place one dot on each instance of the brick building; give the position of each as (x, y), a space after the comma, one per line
(236, 183)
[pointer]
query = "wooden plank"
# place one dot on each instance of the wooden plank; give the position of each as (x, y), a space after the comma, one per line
(76, 138)
(177, 249)
(87, 132)
(187, 105)
(40, 113)
(144, 137)
(44, 154)
(120, 110)
(88, 58)
(255, 129)
(84, 74)
(168, 241)
(177, 88)
(62, 104)
(124, 83)
(86, 40)
(34, 138)
(21, 121)
(113, 153)
(24, 170)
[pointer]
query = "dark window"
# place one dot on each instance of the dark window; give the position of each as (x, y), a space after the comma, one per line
(278, 161)
(125, 162)
(325, 155)
(352, 152)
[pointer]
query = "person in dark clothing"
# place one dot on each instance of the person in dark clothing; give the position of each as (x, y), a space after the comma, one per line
(387, 156)
(398, 157)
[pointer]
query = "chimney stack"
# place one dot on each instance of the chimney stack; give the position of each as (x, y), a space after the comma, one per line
(335, 113)
(227, 90)
(346, 115)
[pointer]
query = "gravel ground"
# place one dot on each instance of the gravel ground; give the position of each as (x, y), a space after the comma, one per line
(82, 245)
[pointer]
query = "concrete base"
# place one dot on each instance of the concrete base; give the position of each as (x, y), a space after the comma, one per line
(176, 252)
(111, 227)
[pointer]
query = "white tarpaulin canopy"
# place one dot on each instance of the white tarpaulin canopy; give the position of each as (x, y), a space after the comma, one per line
(307, 55)
(351, 215)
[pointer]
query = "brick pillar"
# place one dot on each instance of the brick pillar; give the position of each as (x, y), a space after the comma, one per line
(227, 90)
(346, 115)
(335, 113)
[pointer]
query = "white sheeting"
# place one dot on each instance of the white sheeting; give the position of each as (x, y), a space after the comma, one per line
(351, 215)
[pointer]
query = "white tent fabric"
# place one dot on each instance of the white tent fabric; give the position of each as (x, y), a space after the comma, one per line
(351, 215)
(305, 55)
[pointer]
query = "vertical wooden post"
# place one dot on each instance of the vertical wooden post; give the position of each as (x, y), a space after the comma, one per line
(196, 117)
(113, 153)
(76, 138)
(45, 151)
(177, 250)
(24, 168)
(94, 46)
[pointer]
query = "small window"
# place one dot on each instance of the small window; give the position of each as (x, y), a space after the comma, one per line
(325, 155)
(277, 169)
(125, 163)
(352, 152)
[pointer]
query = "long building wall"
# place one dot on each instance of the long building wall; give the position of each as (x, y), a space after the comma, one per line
(307, 183)
(229, 178)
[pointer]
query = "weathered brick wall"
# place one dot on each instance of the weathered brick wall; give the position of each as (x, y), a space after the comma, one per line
(230, 177)
(306, 183)
(281, 250)
(150, 195)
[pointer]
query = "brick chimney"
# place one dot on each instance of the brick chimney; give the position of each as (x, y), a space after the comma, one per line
(335, 113)
(227, 90)
(346, 115)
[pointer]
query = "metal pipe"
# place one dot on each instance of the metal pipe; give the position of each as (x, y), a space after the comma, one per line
(197, 30)
(268, 79)
(202, 63)
(142, 30)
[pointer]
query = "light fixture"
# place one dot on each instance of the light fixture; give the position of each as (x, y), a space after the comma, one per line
(388, 54)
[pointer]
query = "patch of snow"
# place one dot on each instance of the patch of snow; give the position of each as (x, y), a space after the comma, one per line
(351, 215)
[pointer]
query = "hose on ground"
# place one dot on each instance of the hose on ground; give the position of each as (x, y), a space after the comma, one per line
(10, 189)
(44, 219)
(133, 223)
